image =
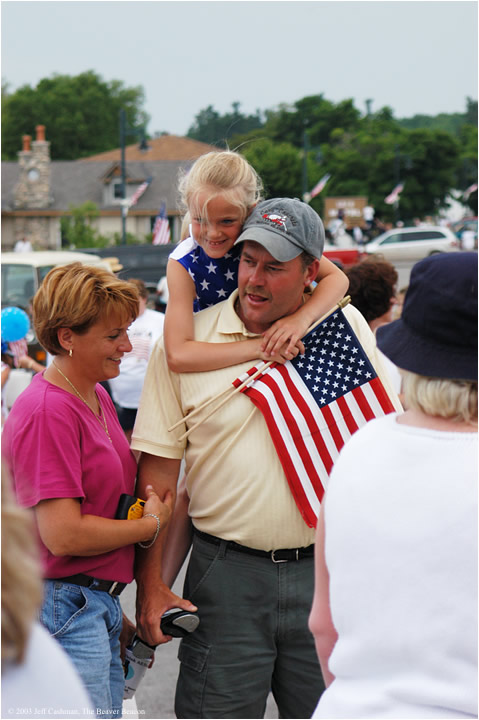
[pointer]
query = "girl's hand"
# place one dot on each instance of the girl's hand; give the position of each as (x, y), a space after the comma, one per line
(286, 331)
(155, 506)
(284, 353)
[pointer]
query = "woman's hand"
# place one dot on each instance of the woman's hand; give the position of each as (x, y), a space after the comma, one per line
(155, 506)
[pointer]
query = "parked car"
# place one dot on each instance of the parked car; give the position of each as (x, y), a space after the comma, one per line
(147, 262)
(343, 257)
(22, 274)
(411, 244)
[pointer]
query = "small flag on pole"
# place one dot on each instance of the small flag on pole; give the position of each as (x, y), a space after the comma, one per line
(472, 188)
(320, 185)
(139, 192)
(394, 195)
(314, 403)
(161, 228)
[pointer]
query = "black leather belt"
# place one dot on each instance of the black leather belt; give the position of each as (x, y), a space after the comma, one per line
(276, 556)
(110, 586)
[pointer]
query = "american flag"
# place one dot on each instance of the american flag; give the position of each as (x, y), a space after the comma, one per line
(394, 195)
(139, 192)
(314, 403)
(320, 185)
(472, 188)
(161, 228)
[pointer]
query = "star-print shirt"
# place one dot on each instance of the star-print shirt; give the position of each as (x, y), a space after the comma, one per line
(215, 279)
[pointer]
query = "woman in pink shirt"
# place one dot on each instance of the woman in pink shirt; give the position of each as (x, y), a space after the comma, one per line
(70, 461)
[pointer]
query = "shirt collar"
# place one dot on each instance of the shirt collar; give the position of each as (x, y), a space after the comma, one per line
(229, 322)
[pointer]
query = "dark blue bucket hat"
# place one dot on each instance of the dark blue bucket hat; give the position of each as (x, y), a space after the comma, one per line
(436, 335)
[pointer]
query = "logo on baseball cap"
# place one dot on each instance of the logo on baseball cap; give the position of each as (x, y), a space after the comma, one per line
(285, 227)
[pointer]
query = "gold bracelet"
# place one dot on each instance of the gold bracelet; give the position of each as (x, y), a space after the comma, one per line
(142, 545)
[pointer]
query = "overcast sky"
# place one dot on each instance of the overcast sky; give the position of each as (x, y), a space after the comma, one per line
(416, 57)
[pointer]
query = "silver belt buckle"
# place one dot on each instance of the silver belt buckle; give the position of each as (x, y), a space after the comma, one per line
(274, 559)
(113, 588)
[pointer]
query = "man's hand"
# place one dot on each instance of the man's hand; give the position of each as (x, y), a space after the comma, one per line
(151, 606)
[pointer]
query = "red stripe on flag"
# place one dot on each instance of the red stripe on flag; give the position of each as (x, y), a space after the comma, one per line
(333, 429)
(288, 466)
(308, 415)
(363, 403)
(347, 415)
(382, 396)
(293, 428)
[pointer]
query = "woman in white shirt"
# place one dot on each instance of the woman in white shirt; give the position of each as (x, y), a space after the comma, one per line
(395, 607)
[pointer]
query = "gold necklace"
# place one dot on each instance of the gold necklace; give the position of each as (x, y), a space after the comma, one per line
(101, 418)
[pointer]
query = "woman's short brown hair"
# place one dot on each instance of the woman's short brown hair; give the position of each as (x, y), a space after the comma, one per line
(77, 296)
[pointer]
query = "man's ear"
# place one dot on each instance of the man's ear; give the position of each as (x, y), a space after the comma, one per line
(311, 272)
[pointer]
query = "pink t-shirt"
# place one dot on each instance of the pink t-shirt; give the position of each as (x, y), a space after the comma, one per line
(54, 447)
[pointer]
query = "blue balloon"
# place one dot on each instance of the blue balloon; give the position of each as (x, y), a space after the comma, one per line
(15, 324)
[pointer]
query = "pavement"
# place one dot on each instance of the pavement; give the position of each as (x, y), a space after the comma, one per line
(156, 694)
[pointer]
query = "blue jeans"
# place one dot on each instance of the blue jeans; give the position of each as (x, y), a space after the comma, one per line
(87, 623)
(253, 637)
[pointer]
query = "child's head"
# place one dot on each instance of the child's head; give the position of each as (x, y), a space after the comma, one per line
(220, 173)
(219, 192)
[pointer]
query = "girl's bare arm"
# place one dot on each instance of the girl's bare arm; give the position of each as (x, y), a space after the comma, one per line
(331, 288)
(183, 352)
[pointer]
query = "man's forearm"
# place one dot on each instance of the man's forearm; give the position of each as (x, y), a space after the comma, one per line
(153, 596)
(180, 535)
(162, 474)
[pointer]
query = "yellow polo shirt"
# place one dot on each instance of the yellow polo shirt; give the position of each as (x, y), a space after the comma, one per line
(236, 484)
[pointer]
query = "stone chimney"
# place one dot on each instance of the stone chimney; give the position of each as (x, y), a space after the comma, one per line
(33, 188)
(32, 191)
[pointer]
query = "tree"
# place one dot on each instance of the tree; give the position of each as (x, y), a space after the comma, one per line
(81, 114)
(78, 231)
(215, 129)
(380, 154)
(318, 116)
(467, 166)
(278, 164)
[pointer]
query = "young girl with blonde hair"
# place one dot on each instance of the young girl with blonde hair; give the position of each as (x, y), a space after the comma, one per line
(219, 192)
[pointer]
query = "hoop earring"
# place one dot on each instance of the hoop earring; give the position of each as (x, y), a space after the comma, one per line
(70, 352)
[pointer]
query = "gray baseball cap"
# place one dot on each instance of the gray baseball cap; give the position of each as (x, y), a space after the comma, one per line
(285, 227)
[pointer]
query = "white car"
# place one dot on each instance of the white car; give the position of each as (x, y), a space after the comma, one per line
(413, 243)
(23, 272)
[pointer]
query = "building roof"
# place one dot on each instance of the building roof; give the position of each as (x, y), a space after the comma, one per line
(76, 182)
(164, 148)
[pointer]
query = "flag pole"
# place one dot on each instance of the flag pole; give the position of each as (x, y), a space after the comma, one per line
(342, 303)
(217, 397)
